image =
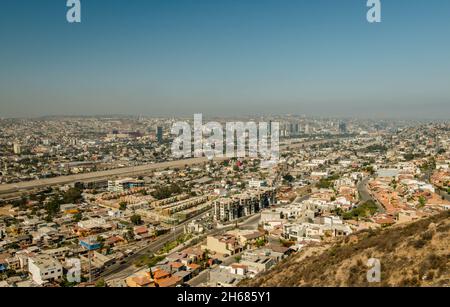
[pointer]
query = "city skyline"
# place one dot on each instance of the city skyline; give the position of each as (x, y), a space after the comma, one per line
(226, 149)
(225, 58)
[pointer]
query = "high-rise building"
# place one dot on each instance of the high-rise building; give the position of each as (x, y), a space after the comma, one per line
(269, 132)
(73, 142)
(342, 128)
(307, 129)
(17, 148)
(294, 129)
(159, 134)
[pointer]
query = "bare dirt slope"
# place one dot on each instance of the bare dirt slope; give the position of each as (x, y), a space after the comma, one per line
(414, 254)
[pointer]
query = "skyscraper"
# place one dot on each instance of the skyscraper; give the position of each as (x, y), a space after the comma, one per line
(342, 128)
(159, 134)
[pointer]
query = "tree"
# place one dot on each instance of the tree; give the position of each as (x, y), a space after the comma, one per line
(123, 206)
(65, 283)
(129, 235)
(100, 283)
(260, 242)
(206, 254)
(422, 201)
(338, 211)
(77, 217)
(370, 170)
(288, 178)
(368, 208)
(136, 219)
(166, 192)
(73, 195)
(53, 207)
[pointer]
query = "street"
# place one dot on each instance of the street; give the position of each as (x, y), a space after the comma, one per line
(249, 224)
(153, 247)
(366, 196)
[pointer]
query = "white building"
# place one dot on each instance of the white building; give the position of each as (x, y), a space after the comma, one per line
(270, 215)
(248, 203)
(44, 268)
(92, 223)
(116, 213)
(257, 183)
(17, 148)
(442, 166)
(124, 184)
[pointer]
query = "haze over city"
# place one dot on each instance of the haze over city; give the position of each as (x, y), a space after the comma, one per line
(222, 58)
(244, 148)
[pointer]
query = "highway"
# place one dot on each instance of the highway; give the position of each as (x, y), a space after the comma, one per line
(127, 171)
(125, 269)
(126, 266)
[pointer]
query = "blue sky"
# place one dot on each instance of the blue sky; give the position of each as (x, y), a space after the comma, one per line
(225, 57)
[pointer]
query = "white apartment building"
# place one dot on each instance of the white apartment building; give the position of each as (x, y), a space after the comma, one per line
(241, 205)
(124, 184)
(44, 268)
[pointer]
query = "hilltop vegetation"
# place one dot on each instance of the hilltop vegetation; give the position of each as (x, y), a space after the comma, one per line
(367, 209)
(415, 254)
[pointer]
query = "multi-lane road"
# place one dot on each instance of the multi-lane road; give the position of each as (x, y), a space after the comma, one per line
(126, 267)
(127, 171)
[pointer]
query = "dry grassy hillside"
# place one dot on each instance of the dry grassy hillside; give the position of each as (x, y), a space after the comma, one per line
(415, 254)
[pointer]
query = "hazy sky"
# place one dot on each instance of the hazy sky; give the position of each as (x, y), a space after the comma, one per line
(225, 57)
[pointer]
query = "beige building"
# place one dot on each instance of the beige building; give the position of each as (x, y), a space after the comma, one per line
(225, 245)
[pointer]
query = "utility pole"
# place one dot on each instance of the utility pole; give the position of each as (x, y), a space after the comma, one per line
(90, 266)
(208, 277)
(90, 260)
